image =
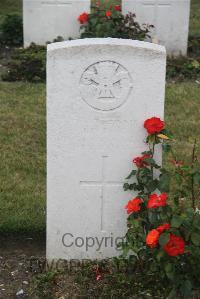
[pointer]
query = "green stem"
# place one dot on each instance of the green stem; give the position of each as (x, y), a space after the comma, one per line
(153, 152)
(192, 180)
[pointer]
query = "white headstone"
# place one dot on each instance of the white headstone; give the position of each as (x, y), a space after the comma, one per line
(170, 18)
(44, 20)
(99, 93)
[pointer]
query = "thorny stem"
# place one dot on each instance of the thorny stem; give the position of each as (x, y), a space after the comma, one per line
(192, 185)
(153, 151)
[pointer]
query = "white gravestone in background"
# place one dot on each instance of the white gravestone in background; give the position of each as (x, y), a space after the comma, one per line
(44, 20)
(99, 92)
(170, 18)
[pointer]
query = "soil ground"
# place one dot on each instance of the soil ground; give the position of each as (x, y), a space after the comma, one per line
(17, 258)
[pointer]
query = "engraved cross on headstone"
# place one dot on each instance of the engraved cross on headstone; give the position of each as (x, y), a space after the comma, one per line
(103, 184)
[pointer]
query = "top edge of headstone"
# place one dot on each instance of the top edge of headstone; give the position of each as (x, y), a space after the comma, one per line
(107, 41)
(164, 1)
(56, 1)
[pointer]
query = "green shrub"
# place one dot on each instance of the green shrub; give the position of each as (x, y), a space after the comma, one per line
(163, 233)
(194, 46)
(111, 23)
(27, 65)
(11, 31)
(182, 68)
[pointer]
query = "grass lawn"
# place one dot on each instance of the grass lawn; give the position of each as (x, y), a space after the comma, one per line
(22, 156)
(22, 147)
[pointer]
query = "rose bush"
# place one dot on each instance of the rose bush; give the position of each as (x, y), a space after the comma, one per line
(103, 22)
(163, 233)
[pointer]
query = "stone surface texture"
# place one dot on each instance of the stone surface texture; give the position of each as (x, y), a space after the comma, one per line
(44, 20)
(99, 92)
(170, 18)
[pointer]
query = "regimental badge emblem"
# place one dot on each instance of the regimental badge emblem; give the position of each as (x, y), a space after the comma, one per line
(105, 85)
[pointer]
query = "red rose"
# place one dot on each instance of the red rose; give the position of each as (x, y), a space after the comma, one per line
(174, 246)
(157, 201)
(118, 7)
(108, 13)
(133, 205)
(163, 227)
(152, 238)
(139, 161)
(154, 125)
(83, 18)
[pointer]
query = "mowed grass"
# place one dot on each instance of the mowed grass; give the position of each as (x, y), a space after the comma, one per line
(182, 107)
(22, 157)
(23, 147)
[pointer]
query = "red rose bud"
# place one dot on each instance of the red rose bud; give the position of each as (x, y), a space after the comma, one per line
(163, 228)
(108, 13)
(133, 205)
(174, 246)
(156, 201)
(83, 18)
(139, 161)
(154, 125)
(118, 7)
(152, 238)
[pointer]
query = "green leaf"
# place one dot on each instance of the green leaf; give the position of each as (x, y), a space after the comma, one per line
(195, 239)
(147, 153)
(151, 138)
(133, 172)
(196, 178)
(166, 147)
(176, 221)
(144, 175)
(151, 162)
(133, 253)
(134, 222)
(151, 186)
(126, 186)
(152, 217)
(168, 267)
(160, 255)
(186, 288)
(185, 168)
(178, 178)
(170, 275)
(168, 133)
(172, 294)
(133, 186)
(164, 238)
(164, 182)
